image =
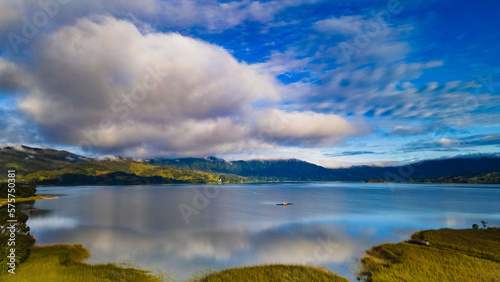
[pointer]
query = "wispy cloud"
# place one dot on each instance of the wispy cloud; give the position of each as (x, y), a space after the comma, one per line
(405, 130)
(350, 153)
(454, 144)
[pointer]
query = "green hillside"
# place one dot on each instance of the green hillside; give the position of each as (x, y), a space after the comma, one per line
(26, 160)
(121, 171)
(51, 167)
(263, 170)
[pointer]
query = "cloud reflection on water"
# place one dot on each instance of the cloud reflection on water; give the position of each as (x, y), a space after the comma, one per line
(294, 243)
(43, 224)
(243, 226)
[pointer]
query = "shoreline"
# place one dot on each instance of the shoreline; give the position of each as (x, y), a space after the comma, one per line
(409, 258)
(67, 262)
(264, 182)
(442, 257)
(377, 259)
(3, 201)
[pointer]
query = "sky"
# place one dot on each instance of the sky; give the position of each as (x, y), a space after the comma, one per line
(335, 83)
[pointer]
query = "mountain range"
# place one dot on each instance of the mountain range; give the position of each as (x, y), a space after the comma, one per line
(480, 169)
(53, 167)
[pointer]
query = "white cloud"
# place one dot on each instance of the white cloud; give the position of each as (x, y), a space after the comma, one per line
(106, 158)
(83, 71)
(299, 127)
(105, 84)
(346, 25)
(209, 15)
(214, 15)
(20, 148)
(12, 77)
(446, 142)
(462, 142)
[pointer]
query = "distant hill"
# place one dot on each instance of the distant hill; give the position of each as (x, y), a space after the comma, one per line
(26, 159)
(52, 167)
(459, 170)
(464, 170)
(277, 170)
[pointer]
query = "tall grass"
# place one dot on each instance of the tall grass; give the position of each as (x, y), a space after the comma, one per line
(65, 263)
(275, 272)
(453, 255)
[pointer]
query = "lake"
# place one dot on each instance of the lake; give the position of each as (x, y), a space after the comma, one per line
(184, 229)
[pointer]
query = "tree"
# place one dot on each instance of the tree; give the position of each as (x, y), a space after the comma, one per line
(475, 226)
(484, 223)
(23, 238)
(3, 190)
(22, 190)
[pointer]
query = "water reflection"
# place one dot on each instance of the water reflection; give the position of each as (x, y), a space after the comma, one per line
(330, 224)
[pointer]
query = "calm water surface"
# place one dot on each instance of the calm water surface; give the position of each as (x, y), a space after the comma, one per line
(184, 229)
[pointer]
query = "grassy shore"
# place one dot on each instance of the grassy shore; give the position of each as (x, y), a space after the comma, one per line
(65, 263)
(453, 255)
(3, 201)
(275, 272)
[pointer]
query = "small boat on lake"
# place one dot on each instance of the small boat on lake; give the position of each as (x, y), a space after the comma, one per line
(285, 204)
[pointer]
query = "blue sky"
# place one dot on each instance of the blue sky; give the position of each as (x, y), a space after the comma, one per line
(336, 83)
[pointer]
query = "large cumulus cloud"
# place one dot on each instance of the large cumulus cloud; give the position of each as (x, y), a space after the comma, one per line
(114, 88)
